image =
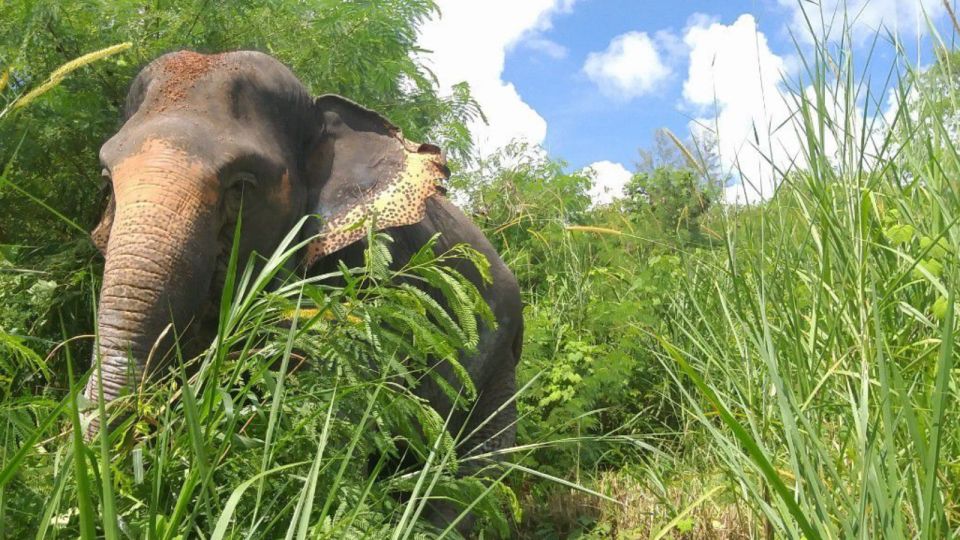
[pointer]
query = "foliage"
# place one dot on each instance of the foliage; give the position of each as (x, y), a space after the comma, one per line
(596, 288)
(930, 101)
(815, 350)
(676, 197)
(520, 197)
(676, 183)
(804, 353)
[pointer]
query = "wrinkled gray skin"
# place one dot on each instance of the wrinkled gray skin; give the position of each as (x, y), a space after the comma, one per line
(199, 131)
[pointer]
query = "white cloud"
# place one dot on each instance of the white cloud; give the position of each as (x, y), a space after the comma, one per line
(672, 48)
(630, 67)
(469, 43)
(726, 61)
(546, 46)
(609, 179)
(734, 82)
(866, 17)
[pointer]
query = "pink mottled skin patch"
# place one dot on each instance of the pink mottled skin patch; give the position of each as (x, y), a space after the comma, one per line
(180, 71)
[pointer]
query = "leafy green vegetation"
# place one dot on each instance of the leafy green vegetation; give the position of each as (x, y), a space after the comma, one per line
(690, 368)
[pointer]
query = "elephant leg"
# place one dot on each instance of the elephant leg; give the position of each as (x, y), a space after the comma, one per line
(493, 423)
(491, 426)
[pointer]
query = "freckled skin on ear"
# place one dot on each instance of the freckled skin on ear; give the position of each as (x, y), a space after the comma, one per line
(209, 137)
(402, 201)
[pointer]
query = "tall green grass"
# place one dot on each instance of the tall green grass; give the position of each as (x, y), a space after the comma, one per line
(816, 349)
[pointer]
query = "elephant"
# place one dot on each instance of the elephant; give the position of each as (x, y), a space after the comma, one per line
(197, 131)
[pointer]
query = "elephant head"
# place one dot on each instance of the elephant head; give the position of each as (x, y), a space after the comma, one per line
(204, 139)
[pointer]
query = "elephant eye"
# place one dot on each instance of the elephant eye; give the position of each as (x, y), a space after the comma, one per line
(243, 180)
(106, 182)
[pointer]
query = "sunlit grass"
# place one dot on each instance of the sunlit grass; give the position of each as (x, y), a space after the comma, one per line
(818, 361)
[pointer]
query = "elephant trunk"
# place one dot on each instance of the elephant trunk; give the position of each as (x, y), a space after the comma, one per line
(160, 259)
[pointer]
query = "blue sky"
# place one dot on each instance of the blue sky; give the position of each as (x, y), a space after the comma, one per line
(591, 80)
(584, 124)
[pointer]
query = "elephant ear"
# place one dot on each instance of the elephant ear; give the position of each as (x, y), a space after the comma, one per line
(362, 169)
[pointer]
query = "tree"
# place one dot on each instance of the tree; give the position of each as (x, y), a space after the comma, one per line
(674, 184)
(518, 188)
(675, 196)
(928, 109)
